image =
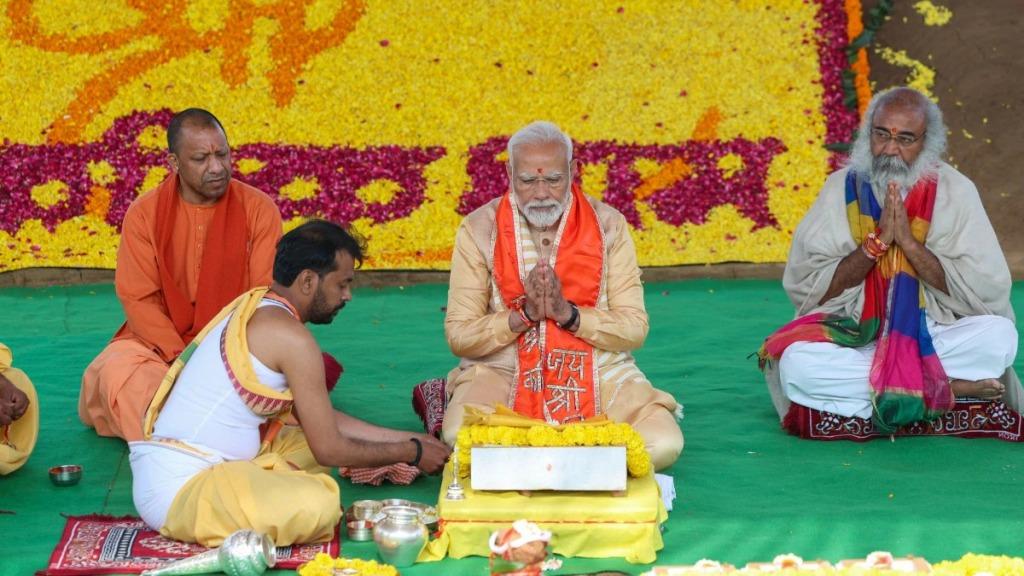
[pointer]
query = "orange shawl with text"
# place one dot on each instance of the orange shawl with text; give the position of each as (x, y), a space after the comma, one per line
(556, 374)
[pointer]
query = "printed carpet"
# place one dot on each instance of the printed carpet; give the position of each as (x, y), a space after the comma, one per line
(746, 489)
(114, 545)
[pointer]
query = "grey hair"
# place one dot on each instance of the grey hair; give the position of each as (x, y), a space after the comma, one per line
(934, 136)
(539, 132)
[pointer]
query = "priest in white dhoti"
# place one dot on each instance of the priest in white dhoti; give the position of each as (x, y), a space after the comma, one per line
(902, 292)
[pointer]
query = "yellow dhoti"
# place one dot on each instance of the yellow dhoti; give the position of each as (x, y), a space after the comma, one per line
(19, 438)
(118, 386)
(283, 493)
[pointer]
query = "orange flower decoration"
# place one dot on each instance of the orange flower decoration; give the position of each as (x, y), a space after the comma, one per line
(290, 49)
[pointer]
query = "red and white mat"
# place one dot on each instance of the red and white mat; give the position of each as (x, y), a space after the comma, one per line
(969, 418)
(98, 544)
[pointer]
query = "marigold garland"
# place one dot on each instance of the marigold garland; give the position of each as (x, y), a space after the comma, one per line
(971, 564)
(324, 565)
(968, 565)
(859, 67)
(638, 461)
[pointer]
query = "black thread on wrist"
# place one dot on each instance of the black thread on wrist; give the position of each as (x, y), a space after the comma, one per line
(573, 316)
(527, 315)
(419, 451)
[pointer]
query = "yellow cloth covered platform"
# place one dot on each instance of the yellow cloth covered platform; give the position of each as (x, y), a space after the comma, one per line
(593, 525)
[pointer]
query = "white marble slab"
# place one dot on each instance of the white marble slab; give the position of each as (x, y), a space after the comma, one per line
(574, 468)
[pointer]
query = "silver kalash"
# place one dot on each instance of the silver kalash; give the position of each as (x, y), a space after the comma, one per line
(243, 553)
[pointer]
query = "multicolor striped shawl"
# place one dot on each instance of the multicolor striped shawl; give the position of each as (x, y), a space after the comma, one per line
(907, 381)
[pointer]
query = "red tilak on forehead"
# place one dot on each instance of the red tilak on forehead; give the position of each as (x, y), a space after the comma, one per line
(540, 171)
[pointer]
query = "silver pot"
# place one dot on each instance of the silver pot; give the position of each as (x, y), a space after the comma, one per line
(400, 535)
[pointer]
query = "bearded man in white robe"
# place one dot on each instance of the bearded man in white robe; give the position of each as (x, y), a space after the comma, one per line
(858, 237)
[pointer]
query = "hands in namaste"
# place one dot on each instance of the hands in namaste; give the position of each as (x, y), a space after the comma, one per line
(894, 224)
(544, 297)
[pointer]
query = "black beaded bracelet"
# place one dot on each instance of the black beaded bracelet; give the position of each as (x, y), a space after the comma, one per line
(573, 317)
(527, 315)
(419, 451)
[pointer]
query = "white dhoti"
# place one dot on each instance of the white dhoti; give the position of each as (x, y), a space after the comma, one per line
(832, 378)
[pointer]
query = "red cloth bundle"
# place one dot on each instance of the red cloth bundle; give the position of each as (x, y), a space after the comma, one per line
(332, 371)
(429, 403)
(401, 474)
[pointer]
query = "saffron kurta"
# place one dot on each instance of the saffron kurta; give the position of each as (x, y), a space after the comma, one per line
(119, 383)
(476, 326)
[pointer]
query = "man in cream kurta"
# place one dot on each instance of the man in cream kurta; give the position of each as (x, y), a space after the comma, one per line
(484, 332)
(965, 278)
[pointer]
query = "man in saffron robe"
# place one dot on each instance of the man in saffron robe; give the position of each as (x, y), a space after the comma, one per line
(545, 304)
(216, 457)
(901, 289)
(187, 249)
(19, 415)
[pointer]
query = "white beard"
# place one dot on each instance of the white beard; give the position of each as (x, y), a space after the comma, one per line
(543, 213)
(885, 169)
(881, 170)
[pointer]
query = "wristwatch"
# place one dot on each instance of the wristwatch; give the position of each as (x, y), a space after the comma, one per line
(573, 317)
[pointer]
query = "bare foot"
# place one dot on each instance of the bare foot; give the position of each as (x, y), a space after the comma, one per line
(988, 389)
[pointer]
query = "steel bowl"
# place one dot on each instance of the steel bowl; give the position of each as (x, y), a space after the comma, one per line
(430, 522)
(66, 475)
(425, 509)
(360, 530)
(365, 509)
(396, 502)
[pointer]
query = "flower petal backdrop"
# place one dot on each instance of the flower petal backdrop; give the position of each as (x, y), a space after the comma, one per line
(705, 123)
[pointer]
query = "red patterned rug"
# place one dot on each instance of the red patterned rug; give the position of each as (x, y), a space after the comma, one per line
(429, 401)
(109, 545)
(969, 418)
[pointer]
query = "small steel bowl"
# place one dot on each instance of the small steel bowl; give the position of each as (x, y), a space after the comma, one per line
(430, 522)
(365, 509)
(360, 530)
(428, 515)
(66, 475)
(396, 502)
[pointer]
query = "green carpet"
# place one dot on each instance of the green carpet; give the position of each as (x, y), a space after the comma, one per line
(747, 491)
